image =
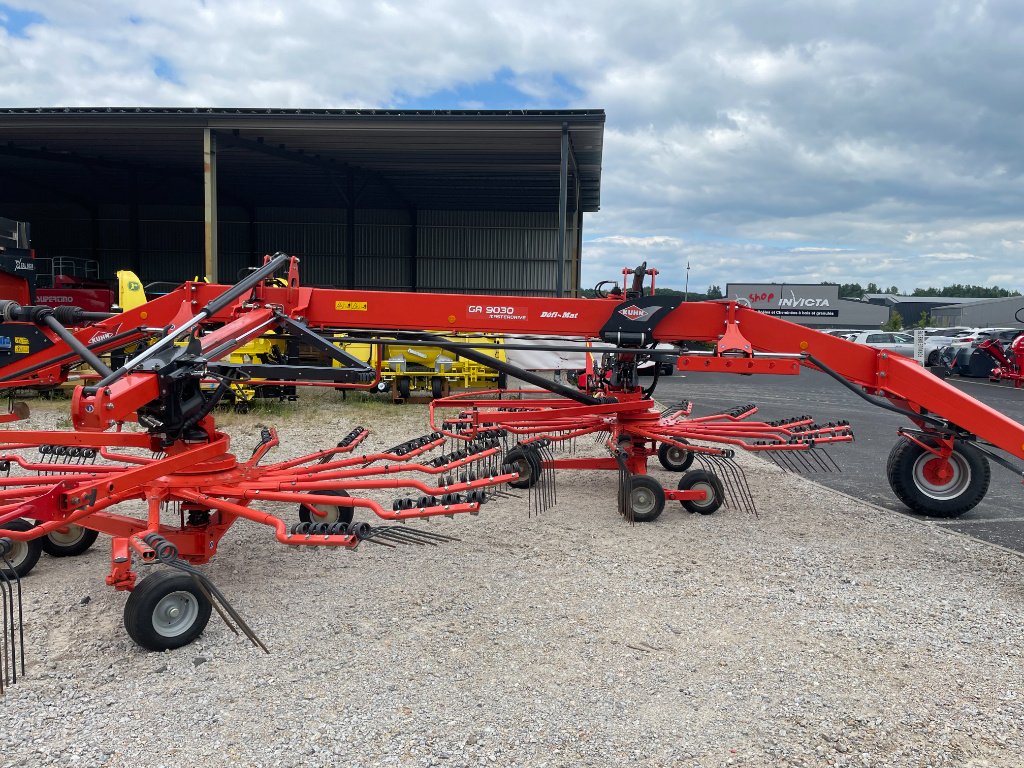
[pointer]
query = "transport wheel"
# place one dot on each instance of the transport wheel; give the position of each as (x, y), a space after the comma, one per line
(647, 498)
(675, 459)
(702, 480)
(74, 541)
(333, 513)
(436, 387)
(403, 387)
(24, 554)
(936, 487)
(166, 610)
(526, 462)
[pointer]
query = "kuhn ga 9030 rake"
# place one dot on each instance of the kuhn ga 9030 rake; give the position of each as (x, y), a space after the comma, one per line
(179, 466)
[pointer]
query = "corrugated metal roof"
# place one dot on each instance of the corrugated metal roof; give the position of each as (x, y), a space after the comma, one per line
(428, 159)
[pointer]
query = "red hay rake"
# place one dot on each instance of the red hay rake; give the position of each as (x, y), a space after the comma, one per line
(144, 434)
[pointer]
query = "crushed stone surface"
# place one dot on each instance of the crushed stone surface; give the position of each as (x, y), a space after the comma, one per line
(823, 632)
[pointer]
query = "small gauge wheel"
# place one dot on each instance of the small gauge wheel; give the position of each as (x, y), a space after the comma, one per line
(702, 480)
(332, 513)
(167, 609)
(23, 555)
(646, 497)
(673, 458)
(73, 540)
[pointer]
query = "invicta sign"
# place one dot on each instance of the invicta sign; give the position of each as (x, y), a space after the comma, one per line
(788, 300)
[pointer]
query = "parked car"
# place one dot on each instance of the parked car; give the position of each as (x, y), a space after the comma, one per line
(936, 339)
(961, 356)
(900, 343)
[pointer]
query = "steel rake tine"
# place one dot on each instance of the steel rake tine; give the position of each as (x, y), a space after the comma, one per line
(11, 667)
(828, 457)
(212, 592)
(428, 534)
(396, 536)
(822, 466)
(5, 664)
(782, 460)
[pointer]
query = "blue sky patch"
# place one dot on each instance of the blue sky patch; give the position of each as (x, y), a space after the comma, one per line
(16, 21)
(498, 92)
(163, 69)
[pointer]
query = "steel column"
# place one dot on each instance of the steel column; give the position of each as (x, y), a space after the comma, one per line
(563, 198)
(350, 231)
(210, 202)
(413, 245)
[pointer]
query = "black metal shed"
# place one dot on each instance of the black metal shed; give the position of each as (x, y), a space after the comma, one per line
(468, 201)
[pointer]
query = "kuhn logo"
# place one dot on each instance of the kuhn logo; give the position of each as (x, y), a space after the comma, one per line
(634, 312)
(103, 335)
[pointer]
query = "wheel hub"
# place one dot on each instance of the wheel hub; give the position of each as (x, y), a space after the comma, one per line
(175, 614)
(942, 478)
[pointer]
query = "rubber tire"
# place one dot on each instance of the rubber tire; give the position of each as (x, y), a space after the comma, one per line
(644, 486)
(712, 484)
(970, 483)
(666, 453)
(526, 462)
(86, 537)
(436, 387)
(338, 515)
(146, 598)
(933, 359)
(404, 387)
(380, 387)
(25, 554)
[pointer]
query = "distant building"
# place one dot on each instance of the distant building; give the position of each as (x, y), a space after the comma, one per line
(909, 308)
(982, 313)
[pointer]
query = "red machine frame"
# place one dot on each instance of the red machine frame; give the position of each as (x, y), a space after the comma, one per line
(196, 469)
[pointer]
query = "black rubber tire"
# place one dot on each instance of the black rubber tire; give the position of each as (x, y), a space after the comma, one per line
(647, 498)
(335, 513)
(380, 387)
(152, 615)
(700, 479)
(908, 471)
(436, 387)
(76, 541)
(674, 459)
(24, 555)
(526, 462)
(933, 359)
(404, 387)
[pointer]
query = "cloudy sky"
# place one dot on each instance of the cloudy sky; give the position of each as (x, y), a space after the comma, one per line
(797, 141)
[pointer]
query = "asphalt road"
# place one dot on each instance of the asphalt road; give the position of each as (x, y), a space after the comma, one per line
(999, 518)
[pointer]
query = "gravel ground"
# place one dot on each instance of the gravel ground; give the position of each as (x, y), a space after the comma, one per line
(822, 633)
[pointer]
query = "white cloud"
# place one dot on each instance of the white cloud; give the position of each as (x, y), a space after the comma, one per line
(852, 141)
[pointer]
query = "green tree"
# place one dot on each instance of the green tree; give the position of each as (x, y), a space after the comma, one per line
(893, 290)
(715, 292)
(872, 288)
(894, 323)
(924, 321)
(851, 291)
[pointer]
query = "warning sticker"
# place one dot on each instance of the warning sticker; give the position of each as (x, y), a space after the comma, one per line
(350, 306)
(21, 349)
